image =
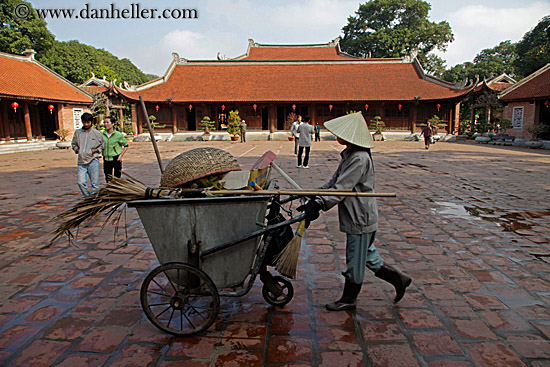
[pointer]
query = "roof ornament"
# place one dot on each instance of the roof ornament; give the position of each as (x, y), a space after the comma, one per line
(251, 43)
(335, 42)
(220, 57)
(179, 60)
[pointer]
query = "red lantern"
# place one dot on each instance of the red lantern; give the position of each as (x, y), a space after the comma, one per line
(157, 108)
(293, 107)
(254, 106)
(51, 107)
(547, 104)
(438, 106)
(330, 107)
(15, 105)
(366, 106)
(400, 106)
(223, 107)
(190, 107)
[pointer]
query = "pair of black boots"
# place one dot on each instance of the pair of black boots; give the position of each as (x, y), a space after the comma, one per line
(348, 301)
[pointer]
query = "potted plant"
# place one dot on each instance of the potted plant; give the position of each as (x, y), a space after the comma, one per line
(288, 124)
(62, 135)
(537, 131)
(233, 123)
(127, 129)
(378, 126)
(206, 124)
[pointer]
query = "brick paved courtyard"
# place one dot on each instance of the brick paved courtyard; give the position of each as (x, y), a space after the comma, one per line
(470, 224)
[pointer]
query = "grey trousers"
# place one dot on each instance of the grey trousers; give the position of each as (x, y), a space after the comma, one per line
(361, 254)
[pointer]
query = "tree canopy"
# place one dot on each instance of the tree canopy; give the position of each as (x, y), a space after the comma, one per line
(533, 50)
(18, 34)
(73, 60)
(395, 28)
(76, 62)
(489, 62)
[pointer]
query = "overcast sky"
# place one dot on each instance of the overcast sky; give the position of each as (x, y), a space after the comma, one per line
(226, 25)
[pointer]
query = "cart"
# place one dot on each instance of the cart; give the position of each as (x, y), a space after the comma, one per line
(211, 247)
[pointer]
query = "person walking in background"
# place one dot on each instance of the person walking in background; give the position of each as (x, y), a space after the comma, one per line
(116, 146)
(294, 131)
(358, 216)
(88, 144)
(305, 131)
(317, 132)
(427, 132)
(242, 126)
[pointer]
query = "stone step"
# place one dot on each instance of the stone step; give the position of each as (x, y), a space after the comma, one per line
(19, 147)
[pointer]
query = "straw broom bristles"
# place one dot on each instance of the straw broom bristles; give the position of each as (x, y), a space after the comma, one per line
(108, 199)
(287, 260)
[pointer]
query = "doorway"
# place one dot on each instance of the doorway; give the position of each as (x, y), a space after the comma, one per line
(191, 120)
(265, 118)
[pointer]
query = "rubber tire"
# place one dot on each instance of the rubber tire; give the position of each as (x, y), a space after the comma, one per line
(283, 299)
(213, 304)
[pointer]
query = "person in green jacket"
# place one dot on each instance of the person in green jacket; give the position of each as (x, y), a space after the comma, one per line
(116, 146)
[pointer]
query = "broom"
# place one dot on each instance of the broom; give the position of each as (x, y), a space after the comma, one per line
(287, 260)
(108, 199)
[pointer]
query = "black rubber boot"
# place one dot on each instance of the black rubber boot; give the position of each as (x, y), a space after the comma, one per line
(348, 301)
(398, 280)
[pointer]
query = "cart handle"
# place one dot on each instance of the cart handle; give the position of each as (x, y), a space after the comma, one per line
(260, 232)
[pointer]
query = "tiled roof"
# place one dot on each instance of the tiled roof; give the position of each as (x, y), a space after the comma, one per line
(24, 78)
(536, 85)
(294, 53)
(93, 89)
(353, 80)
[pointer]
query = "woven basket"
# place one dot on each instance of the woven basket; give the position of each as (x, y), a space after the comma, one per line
(197, 163)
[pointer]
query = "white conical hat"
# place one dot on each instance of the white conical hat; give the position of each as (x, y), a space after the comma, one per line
(351, 128)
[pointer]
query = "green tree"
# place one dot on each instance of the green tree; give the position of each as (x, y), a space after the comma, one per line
(394, 28)
(234, 121)
(101, 71)
(18, 34)
(489, 62)
(534, 48)
(76, 61)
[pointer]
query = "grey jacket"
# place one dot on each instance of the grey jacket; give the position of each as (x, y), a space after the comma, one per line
(305, 130)
(86, 140)
(355, 172)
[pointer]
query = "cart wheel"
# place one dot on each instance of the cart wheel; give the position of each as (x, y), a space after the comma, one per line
(286, 295)
(180, 299)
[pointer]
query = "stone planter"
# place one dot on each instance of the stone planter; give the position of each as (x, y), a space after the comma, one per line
(63, 144)
(234, 138)
(206, 137)
(378, 137)
(534, 144)
(483, 139)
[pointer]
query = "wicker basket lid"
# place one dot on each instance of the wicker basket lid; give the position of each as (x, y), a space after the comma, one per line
(195, 164)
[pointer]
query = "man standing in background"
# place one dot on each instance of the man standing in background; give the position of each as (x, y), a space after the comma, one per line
(88, 144)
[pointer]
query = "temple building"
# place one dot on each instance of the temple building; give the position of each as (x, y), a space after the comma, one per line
(270, 81)
(35, 101)
(527, 104)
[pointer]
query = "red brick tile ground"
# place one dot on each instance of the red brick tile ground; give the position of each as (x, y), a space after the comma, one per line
(471, 225)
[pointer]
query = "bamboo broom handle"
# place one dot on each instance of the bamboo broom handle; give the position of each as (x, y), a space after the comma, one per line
(285, 176)
(144, 109)
(299, 193)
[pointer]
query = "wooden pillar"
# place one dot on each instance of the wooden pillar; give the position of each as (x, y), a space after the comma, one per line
(137, 113)
(59, 123)
(5, 122)
(136, 128)
(414, 116)
(272, 119)
(27, 118)
(456, 118)
(313, 112)
(2, 121)
(174, 119)
(120, 115)
(35, 118)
